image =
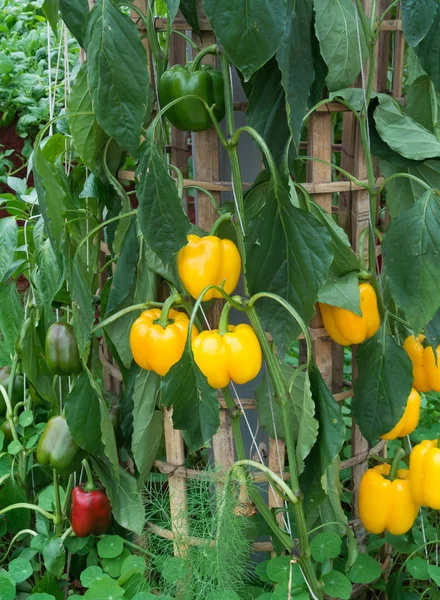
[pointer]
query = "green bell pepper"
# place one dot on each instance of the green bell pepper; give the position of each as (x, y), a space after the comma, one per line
(62, 354)
(17, 389)
(181, 81)
(57, 448)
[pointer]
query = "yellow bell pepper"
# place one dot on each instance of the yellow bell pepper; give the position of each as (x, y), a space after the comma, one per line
(385, 504)
(345, 327)
(156, 347)
(209, 260)
(235, 355)
(424, 469)
(409, 420)
(425, 372)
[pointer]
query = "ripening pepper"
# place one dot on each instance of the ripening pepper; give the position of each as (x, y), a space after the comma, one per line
(409, 420)
(234, 355)
(17, 389)
(345, 327)
(386, 504)
(91, 512)
(156, 347)
(57, 448)
(425, 372)
(203, 81)
(7, 431)
(62, 354)
(209, 260)
(424, 469)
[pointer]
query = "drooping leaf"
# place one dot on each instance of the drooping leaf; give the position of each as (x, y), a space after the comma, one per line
(12, 493)
(54, 556)
(75, 13)
(428, 50)
(82, 303)
(8, 244)
(172, 7)
(340, 35)
(289, 254)
(295, 60)
(433, 331)
(189, 11)
(83, 414)
(413, 268)
(383, 385)
(161, 216)
(50, 9)
(417, 17)
(420, 101)
(33, 361)
(48, 277)
(124, 274)
(196, 410)
(248, 24)
(342, 291)
(118, 73)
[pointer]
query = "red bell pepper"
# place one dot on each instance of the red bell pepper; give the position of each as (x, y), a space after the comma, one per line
(91, 509)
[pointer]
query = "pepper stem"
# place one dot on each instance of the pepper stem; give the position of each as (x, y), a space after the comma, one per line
(223, 325)
(201, 55)
(90, 486)
(398, 455)
(225, 217)
(168, 304)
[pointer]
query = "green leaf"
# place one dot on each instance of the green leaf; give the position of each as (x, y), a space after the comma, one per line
(174, 569)
(7, 588)
(48, 585)
(17, 519)
(428, 49)
(417, 17)
(20, 569)
(83, 414)
(91, 574)
(42, 597)
(342, 292)
(413, 268)
(87, 136)
(46, 499)
(172, 7)
(11, 317)
(14, 447)
(133, 564)
(403, 134)
(339, 35)
(110, 546)
(195, 405)
(125, 272)
(50, 9)
(325, 546)
(432, 331)
(33, 361)
(289, 254)
(48, 277)
(434, 573)
(418, 568)
(135, 584)
(336, 585)
(26, 418)
(54, 556)
(420, 101)
(8, 243)
(119, 93)
(103, 589)
(125, 499)
(245, 24)
(278, 570)
(189, 11)
(365, 569)
(382, 386)
(83, 276)
(147, 422)
(162, 219)
(295, 60)
(75, 13)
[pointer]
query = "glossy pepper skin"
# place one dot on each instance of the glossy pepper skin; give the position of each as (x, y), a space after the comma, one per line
(209, 260)
(385, 504)
(180, 81)
(7, 431)
(156, 348)
(17, 389)
(57, 448)
(409, 420)
(425, 372)
(345, 327)
(235, 355)
(91, 512)
(62, 354)
(424, 469)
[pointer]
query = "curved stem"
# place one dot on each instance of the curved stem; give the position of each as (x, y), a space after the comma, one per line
(346, 174)
(271, 475)
(361, 244)
(327, 101)
(9, 413)
(104, 224)
(222, 219)
(398, 455)
(406, 176)
(188, 39)
(206, 192)
(66, 534)
(228, 94)
(14, 539)
(58, 513)
(90, 485)
(223, 325)
(178, 172)
(28, 506)
(164, 320)
(67, 499)
(125, 311)
(201, 55)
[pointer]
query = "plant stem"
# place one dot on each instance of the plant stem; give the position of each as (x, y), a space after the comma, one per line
(206, 192)
(168, 304)
(28, 506)
(90, 485)
(222, 219)
(67, 499)
(398, 455)
(201, 55)
(270, 474)
(58, 513)
(14, 539)
(223, 324)
(125, 311)
(229, 98)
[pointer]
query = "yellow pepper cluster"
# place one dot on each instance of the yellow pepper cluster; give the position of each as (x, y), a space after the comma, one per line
(157, 344)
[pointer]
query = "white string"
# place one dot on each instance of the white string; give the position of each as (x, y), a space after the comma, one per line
(421, 514)
(307, 583)
(237, 208)
(49, 70)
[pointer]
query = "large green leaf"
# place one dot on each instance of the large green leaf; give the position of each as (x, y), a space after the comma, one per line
(75, 13)
(51, 9)
(82, 303)
(428, 50)
(189, 11)
(124, 274)
(87, 136)
(147, 421)
(339, 35)
(288, 253)
(417, 17)
(118, 73)
(295, 60)
(196, 410)
(48, 276)
(403, 134)
(172, 7)
(11, 317)
(83, 414)
(413, 268)
(342, 291)
(250, 31)
(421, 100)
(383, 385)
(161, 216)
(8, 244)
(33, 361)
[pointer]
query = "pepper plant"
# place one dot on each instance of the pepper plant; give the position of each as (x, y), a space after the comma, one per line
(102, 262)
